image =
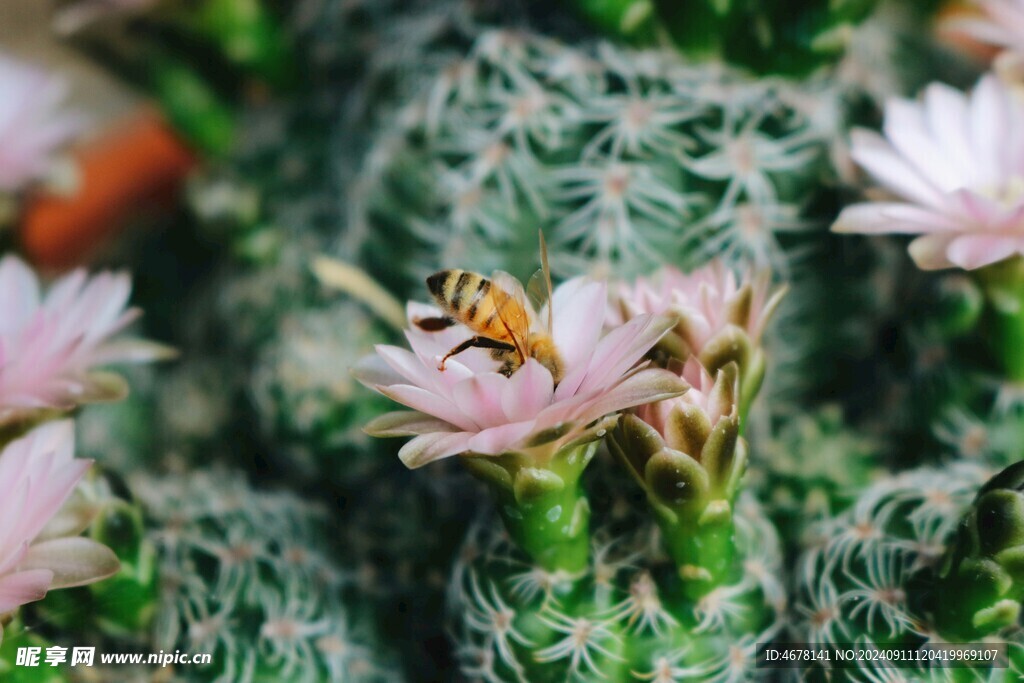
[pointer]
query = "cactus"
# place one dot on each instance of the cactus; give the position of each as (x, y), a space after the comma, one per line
(211, 565)
(631, 159)
(913, 562)
(622, 617)
(812, 468)
(247, 575)
(992, 438)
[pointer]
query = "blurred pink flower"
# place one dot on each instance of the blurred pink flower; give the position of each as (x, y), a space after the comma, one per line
(471, 408)
(40, 549)
(956, 165)
(999, 23)
(51, 344)
(32, 124)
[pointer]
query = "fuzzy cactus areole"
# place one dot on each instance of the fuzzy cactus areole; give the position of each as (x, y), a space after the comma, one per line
(622, 618)
(245, 575)
(923, 558)
(528, 437)
(626, 159)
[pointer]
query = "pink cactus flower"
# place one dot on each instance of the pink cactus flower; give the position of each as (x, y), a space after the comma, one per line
(708, 302)
(471, 408)
(955, 164)
(50, 345)
(40, 549)
(713, 399)
(32, 124)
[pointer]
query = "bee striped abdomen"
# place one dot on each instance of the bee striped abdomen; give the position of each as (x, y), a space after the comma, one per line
(465, 296)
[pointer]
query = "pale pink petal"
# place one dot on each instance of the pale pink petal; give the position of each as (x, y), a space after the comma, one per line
(621, 349)
(528, 391)
(947, 111)
(875, 155)
(429, 403)
(990, 116)
(976, 251)
(645, 386)
(19, 292)
(909, 134)
(407, 365)
(32, 125)
(427, 448)
(374, 371)
(480, 397)
(578, 319)
(23, 587)
(501, 439)
(406, 423)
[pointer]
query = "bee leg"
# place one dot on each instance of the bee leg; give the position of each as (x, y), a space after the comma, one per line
(433, 324)
(478, 343)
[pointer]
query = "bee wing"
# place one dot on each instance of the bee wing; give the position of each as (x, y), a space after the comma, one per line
(510, 303)
(537, 291)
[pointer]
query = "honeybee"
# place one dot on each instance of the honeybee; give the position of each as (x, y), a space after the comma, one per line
(497, 312)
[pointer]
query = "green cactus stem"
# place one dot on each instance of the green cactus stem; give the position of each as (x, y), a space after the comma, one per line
(620, 618)
(542, 502)
(1004, 289)
(691, 472)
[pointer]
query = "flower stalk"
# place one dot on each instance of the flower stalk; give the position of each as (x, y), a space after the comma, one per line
(689, 457)
(544, 508)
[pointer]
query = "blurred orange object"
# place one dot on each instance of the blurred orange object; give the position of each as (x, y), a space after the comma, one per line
(135, 168)
(947, 31)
